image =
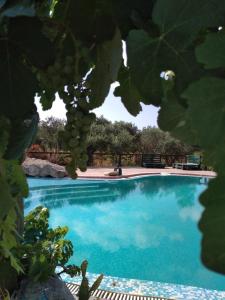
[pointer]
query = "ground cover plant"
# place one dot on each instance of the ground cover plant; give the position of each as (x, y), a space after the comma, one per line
(175, 60)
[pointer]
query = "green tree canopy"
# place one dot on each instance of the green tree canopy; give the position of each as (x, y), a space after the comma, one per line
(48, 134)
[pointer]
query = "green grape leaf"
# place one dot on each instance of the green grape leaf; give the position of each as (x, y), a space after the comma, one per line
(109, 58)
(212, 225)
(206, 102)
(211, 53)
(158, 56)
(21, 136)
(127, 91)
(124, 10)
(207, 114)
(18, 83)
(4, 134)
(16, 178)
(89, 21)
(173, 117)
(39, 50)
(7, 200)
(179, 23)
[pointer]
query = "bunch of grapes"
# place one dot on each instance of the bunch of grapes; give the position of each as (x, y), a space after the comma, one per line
(63, 77)
(79, 121)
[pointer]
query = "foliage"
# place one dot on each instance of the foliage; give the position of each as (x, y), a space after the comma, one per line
(48, 135)
(74, 48)
(154, 140)
(43, 249)
(13, 186)
(85, 291)
(117, 137)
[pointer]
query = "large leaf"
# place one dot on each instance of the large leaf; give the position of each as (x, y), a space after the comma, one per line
(22, 134)
(206, 110)
(149, 57)
(130, 96)
(6, 201)
(212, 52)
(109, 58)
(90, 21)
(212, 225)
(179, 22)
(26, 34)
(125, 11)
(18, 84)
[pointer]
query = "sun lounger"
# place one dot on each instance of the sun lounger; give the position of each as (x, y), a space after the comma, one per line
(193, 163)
(152, 161)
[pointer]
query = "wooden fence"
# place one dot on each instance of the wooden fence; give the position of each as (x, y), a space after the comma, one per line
(106, 159)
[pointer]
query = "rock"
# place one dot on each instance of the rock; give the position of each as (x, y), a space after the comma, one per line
(42, 168)
(53, 289)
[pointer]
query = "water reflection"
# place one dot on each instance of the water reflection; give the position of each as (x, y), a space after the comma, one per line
(143, 228)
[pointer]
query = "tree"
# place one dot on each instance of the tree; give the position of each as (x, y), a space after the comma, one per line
(154, 140)
(175, 51)
(48, 134)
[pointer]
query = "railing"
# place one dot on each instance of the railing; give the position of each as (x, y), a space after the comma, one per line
(107, 159)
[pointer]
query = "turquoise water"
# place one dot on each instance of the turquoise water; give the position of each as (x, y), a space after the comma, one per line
(143, 228)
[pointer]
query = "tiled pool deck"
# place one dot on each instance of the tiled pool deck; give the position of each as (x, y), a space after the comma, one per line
(151, 288)
(131, 171)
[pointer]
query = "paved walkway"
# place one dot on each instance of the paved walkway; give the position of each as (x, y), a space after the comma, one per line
(134, 171)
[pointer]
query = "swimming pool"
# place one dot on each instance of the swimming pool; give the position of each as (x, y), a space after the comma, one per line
(143, 228)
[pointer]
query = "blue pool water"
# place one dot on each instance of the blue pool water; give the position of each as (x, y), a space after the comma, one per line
(143, 228)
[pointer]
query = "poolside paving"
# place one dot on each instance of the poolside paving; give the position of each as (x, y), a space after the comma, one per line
(136, 171)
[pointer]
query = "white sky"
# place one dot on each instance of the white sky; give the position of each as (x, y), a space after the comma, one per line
(112, 109)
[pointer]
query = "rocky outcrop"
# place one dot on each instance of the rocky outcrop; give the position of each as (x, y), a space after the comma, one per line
(42, 168)
(53, 289)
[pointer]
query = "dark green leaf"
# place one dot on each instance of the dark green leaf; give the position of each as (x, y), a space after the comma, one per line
(179, 23)
(212, 225)
(128, 93)
(212, 52)
(109, 58)
(7, 201)
(206, 102)
(180, 20)
(27, 36)
(22, 134)
(18, 84)
(148, 57)
(124, 11)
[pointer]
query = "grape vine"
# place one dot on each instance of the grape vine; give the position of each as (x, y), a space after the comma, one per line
(74, 48)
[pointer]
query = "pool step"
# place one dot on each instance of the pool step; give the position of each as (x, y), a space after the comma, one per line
(58, 202)
(55, 194)
(103, 294)
(59, 187)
